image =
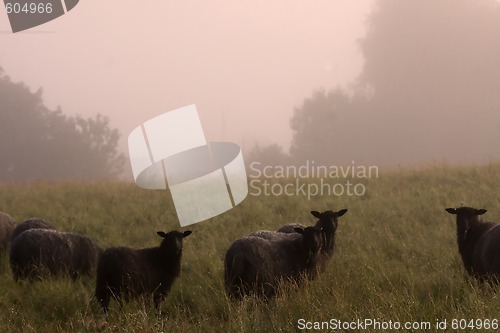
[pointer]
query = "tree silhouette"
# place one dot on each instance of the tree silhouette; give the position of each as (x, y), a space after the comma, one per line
(271, 155)
(316, 124)
(40, 144)
(432, 73)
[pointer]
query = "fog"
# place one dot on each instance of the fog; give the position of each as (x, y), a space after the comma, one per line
(245, 64)
(248, 64)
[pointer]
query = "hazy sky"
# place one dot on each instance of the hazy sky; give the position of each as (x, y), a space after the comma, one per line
(245, 64)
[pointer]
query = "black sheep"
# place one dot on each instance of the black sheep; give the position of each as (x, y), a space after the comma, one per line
(125, 273)
(40, 253)
(256, 264)
(328, 223)
(478, 243)
(33, 223)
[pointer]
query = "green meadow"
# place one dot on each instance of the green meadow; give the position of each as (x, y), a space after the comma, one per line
(396, 259)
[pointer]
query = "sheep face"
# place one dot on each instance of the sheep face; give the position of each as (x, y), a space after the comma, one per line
(328, 222)
(466, 218)
(172, 241)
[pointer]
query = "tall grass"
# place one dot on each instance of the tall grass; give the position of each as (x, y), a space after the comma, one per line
(396, 257)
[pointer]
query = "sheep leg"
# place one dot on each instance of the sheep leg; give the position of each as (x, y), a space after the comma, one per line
(234, 273)
(104, 302)
(160, 293)
(157, 299)
(103, 294)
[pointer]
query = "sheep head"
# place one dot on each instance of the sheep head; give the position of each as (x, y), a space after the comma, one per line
(466, 218)
(172, 241)
(466, 215)
(328, 220)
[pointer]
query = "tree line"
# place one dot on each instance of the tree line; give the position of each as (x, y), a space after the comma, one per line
(37, 143)
(428, 91)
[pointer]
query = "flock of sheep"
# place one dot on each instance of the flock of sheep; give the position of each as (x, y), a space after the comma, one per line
(254, 265)
(37, 251)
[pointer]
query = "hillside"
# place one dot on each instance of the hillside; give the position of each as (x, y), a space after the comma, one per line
(396, 257)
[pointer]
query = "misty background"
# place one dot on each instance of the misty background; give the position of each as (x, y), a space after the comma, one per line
(383, 82)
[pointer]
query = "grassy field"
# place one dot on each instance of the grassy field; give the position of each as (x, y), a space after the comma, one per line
(396, 257)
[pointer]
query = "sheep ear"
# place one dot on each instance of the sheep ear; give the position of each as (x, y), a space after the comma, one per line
(299, 230)
(451, 210)
(186, 233)
(341, 212)
(316, 214)
(480, 211)
(161, 234)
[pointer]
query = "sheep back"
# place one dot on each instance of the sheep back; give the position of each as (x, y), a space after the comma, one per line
(33, 223)
(39, 253)
(290, 228)
(256, 264)
(267, 234)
